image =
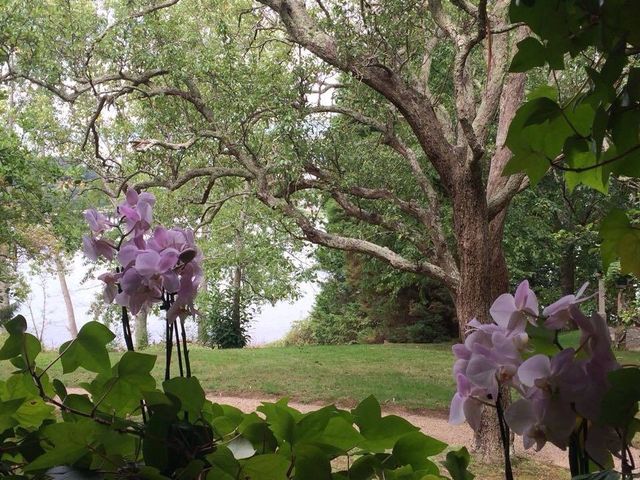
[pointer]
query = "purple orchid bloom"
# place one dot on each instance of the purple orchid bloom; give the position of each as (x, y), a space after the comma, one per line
(137, 292)
(512, 311)
(190, 278)
(111, 285)
(95, 248)
(489, 367)
(98, 223)
(465, 404)
(166, 262)
(137, 211)
(559, 376)
(540, 419)
(559, 312)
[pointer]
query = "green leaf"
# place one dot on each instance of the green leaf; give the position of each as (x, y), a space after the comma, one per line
(21, 344)
(257, 431)
(386, 433)
(16, 326)
(606, 475)
(281, 421)
(541, 109)
(579, 155)
(415, 448)
(311, 463)
(620, 402)
(266, 467)
(620, 240)
(191, 472)
(88, 350)
(122, 388)
(531, 53)
(533, 164)
(7, 412)
(189, 392)
(367, 414)
(33, 412)
(69, 442)
(457, 463)
(340, 434)
(312, 424)
(224, 465)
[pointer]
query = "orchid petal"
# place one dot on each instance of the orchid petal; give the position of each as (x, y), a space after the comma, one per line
(147, 263)
(534, 368)
(147, 197)
(132, 196)
(456, 412)
(520, 416)
(502, 309)
(473, 413)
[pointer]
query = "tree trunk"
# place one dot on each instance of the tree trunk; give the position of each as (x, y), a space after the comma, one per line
(483, 276)
(237, 277)
(235, 309)
(71, 317)
(141, 331)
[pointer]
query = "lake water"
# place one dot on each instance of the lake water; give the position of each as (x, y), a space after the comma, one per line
(271, 324)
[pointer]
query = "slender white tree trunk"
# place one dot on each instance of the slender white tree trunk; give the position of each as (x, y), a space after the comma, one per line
(141, 332)
(71, 317)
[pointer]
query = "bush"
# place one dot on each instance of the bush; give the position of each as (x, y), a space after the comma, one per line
(411, 315)
(217, 327)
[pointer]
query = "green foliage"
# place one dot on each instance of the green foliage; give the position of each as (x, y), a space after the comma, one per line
(365, 301)
(184, 435)
(220, 325)
(591, 131)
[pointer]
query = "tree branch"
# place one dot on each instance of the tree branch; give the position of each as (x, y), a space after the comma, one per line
(409, 99)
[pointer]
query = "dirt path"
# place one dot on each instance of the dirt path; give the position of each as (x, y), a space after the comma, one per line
(431, 423)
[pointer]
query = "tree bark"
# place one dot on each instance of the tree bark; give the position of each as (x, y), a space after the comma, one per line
(236, 285)
(477, 255)
(71, 317)
(141, 331)
(235, 309)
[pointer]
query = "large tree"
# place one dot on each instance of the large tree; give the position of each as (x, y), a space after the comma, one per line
(267, 99)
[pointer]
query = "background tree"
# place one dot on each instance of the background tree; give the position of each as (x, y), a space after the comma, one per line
(587, 131)
(551, 235)
(235, 91)
(365, 300)
(39, 210)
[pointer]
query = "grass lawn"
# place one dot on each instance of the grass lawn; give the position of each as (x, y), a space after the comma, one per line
(409, 376)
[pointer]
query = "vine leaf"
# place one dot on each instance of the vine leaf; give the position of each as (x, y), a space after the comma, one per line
(88, 350)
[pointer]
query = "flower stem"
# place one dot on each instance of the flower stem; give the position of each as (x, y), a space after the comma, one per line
(168, 348)
(504, 436)
(178, 350)
(187, 362)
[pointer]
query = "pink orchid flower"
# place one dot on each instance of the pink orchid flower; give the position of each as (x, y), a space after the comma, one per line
(559, 312)
(111, 285)
(465, 404)
(98, 223)
(96, 248)
(513, 311)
